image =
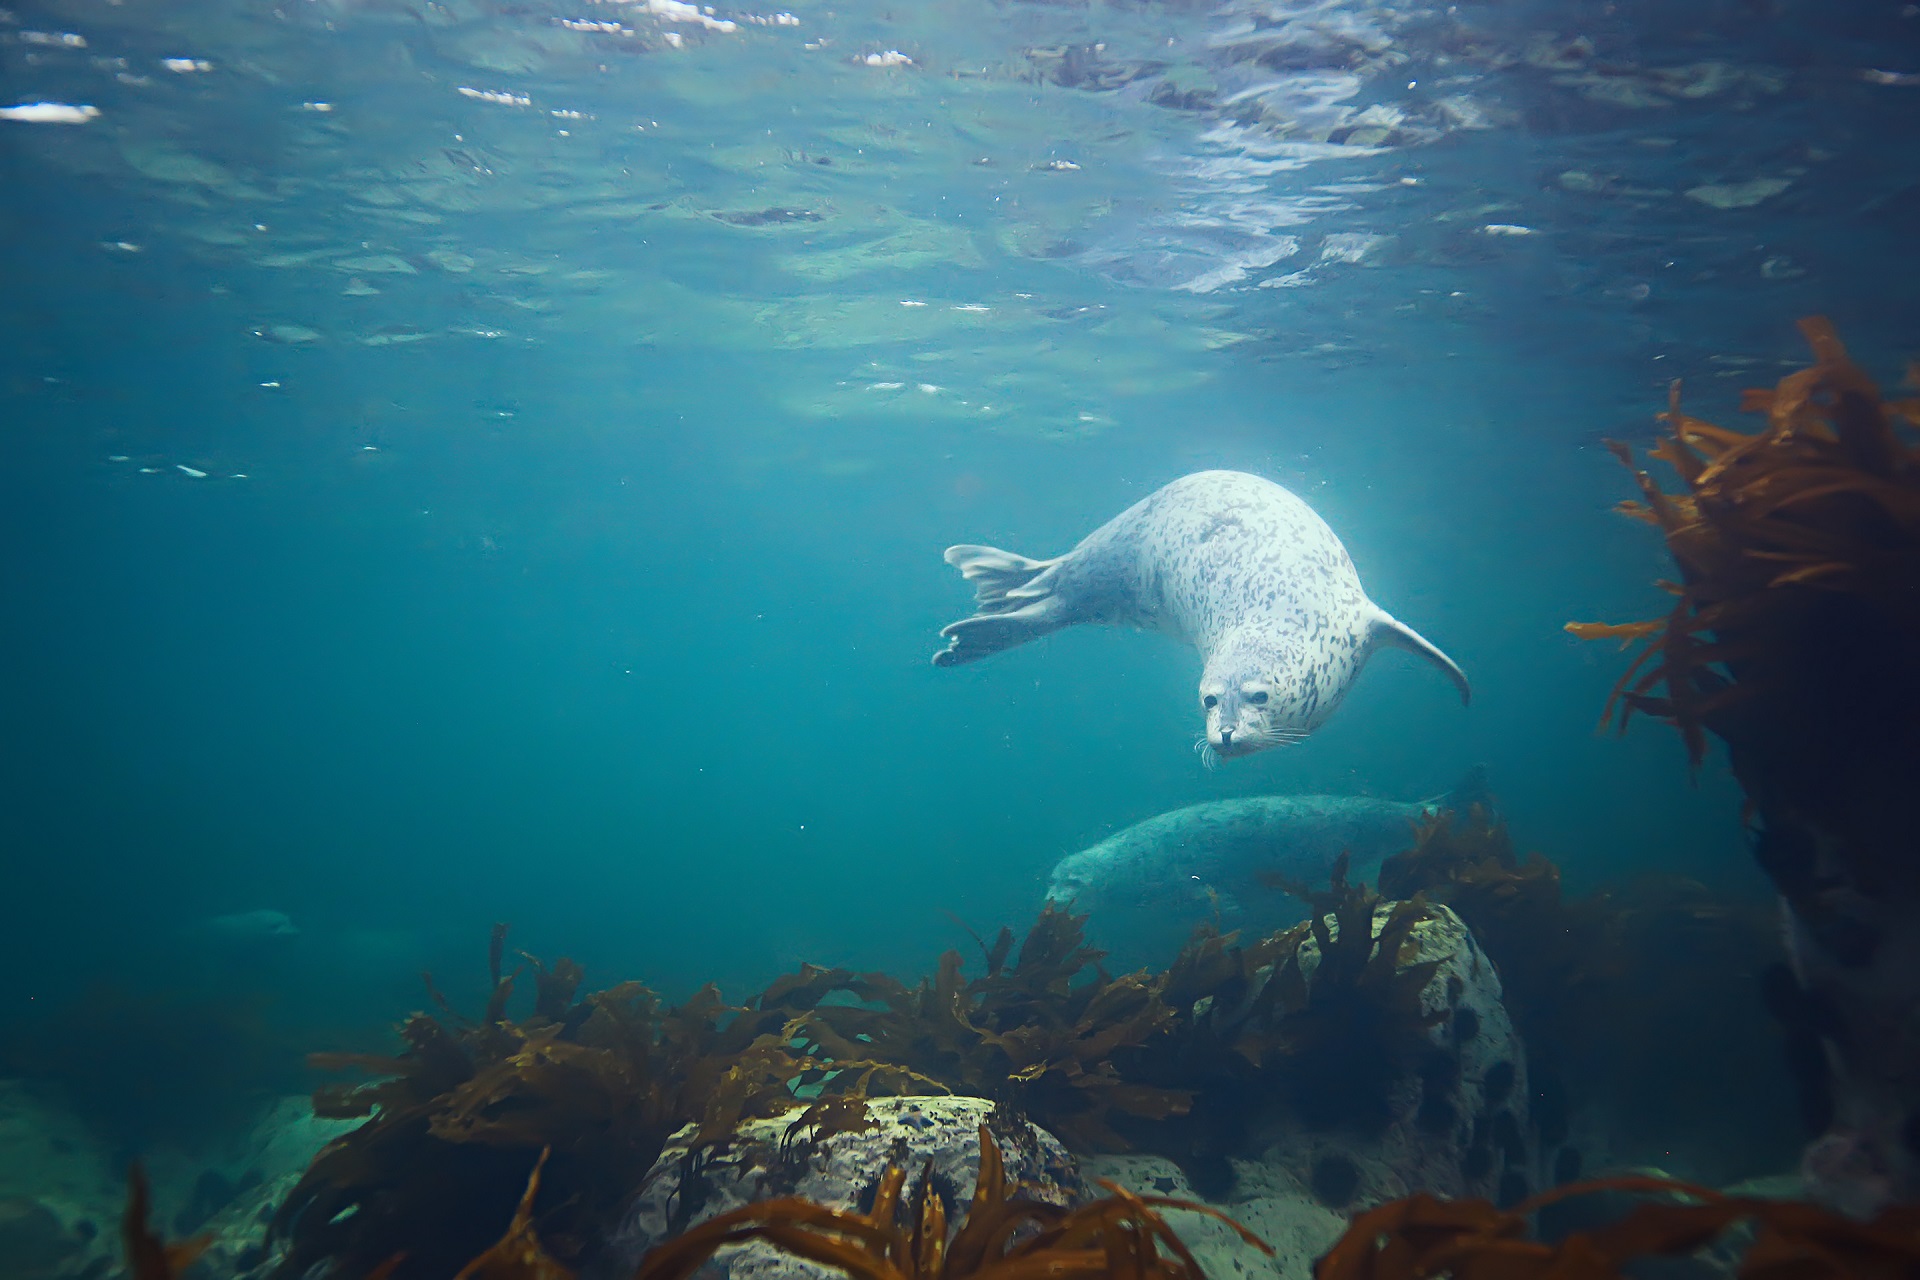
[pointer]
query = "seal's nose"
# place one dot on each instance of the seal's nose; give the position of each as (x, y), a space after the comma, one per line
(1226, 737)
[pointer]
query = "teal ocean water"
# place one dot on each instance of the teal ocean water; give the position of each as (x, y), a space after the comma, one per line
(472, 462)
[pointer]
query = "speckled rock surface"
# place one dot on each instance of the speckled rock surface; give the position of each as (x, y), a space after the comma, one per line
(840, 1171)
(1266, 1202)
(62, 1193)
(260, 1168)
(1459, 1123)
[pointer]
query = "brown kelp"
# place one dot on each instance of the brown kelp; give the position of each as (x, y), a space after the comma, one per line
(1794, 638)
(1002, 1236)
(455, 1121)
(517, 1255)
(1424, 1238)
(1641, 997)
(1554, 954)
(1339, 1035)
(1787, 541)
(148, 1256)
(1048, 1030)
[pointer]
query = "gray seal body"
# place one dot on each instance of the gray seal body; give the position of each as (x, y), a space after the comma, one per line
(1159, 878)
(1227, 562)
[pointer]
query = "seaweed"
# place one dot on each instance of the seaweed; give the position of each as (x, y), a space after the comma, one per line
(1344, 1031)
(1422, 1236)
(517, 1255)
(844, 1113)
(1613, 990)
(1552, 954)
(1002, 1236)
(455, 1121)
(1797, 611)
(148, 1256)
(1047, 1033)
(1322, 1017)
(1792, 640)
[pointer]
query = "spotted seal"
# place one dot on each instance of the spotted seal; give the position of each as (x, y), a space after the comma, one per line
(1165, 874)
(1227, 562)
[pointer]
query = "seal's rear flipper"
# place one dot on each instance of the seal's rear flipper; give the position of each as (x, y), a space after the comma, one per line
(1012, 603)
(1388, 629)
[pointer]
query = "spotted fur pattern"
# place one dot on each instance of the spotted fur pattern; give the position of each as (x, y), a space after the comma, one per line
(1227, 562)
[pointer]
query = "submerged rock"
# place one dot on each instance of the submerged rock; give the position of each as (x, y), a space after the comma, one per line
(1456, 1123)
(257, 1172)
(1298, 1229)
(1458, 1119)
(769, 1158)
(36, 1244)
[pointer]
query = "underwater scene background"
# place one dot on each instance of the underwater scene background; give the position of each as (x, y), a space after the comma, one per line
(474, 462)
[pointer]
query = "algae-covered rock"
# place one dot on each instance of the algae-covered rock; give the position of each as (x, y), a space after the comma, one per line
(1293, 1224)
(769, 1158)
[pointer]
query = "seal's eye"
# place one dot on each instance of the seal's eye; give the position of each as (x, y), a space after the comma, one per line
(1259, 699)
(1209, 702)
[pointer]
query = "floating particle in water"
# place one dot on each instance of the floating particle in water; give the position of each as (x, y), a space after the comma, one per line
(49, 113)
(195, 472)
(679, 11)
(288, 335)
(504, 97)
(395, 335)
(1737, 195)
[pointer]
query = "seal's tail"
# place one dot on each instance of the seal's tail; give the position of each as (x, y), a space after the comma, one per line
(1388, 629)
(1012, 604)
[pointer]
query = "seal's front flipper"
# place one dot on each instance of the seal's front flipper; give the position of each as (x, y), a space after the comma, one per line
(1013, 604)
(1389, 630)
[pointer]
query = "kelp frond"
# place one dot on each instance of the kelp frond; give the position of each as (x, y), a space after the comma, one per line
(148, 1256)
(518, 1255)
(1421, 1237)
(1820, 505)
(1121, 1236)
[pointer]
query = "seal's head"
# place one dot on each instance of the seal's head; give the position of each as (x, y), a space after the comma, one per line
(1255, 698)
(1074, 880)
